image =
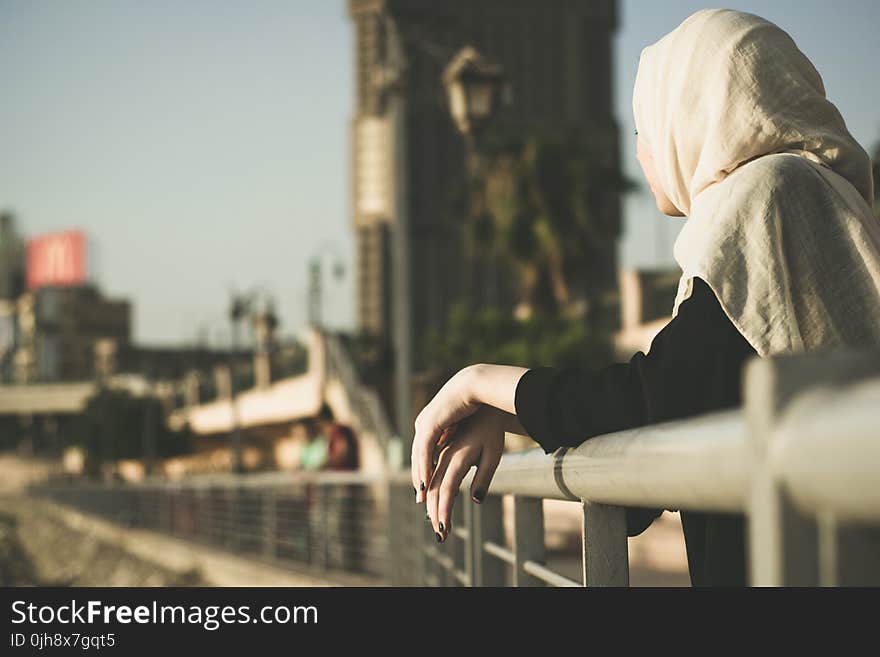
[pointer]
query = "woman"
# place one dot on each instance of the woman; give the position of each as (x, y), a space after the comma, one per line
(780, 253)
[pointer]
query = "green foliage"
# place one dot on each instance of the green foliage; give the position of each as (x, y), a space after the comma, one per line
(540, 199)
(493, 336)
(114, 425)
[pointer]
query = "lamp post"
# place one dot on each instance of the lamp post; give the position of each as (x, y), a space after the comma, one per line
(264, 323)
(473, 87)
(316, 297)
(473, 90)
(238, 309)
(242, 306)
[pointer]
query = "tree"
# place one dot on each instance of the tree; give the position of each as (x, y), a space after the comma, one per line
(539, 200)
(494, 336)
(113, 424)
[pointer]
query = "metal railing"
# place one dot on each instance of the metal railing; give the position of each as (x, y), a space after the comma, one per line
(801, 462)
(367, 409)
(329, 522)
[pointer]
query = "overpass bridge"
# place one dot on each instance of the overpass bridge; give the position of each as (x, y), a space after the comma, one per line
(331, 376)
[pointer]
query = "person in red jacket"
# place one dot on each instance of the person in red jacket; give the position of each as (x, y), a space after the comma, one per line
(342, 446)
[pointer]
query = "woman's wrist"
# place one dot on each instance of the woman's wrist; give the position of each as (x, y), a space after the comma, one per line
(493, 385)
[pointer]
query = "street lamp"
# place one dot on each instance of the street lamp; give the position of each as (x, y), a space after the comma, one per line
(241, 307)
(316, 297)
(473, 89)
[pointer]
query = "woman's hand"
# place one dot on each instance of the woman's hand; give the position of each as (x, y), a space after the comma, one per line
(478, 441)
(455, 401)
(460, 397)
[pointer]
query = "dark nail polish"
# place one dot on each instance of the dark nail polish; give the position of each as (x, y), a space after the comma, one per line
(479, 495)
(421, 485)
(441, 528)
(438, 537)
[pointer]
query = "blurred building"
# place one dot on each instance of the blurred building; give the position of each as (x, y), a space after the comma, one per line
(556, 58)
(408, 157)
(60, 328)
(645, 301)
(12, 276)
(12, 272)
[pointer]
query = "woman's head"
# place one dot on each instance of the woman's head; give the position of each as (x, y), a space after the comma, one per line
(727, 87)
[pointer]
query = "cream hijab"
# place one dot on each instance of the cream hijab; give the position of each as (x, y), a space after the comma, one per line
(776, 191)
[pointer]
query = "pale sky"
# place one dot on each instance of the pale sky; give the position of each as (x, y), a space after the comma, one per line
(204, 145)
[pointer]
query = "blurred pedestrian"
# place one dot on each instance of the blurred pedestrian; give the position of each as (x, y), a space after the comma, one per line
(342, 446)
(314, 452)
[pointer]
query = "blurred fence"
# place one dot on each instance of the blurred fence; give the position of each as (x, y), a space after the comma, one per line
(801, 461)
(331, 522)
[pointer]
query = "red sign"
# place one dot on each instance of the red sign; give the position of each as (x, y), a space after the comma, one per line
(56, 259)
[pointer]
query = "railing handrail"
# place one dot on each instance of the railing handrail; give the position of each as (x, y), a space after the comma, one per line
(827, 452)
(370, 412)
(699, 463)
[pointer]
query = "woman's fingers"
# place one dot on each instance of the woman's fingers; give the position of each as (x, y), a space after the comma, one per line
(424, 444)
(489, 460)
(432, 494)
(459, 464)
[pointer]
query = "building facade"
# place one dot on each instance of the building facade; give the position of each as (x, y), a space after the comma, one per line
(60, 330)
(12, 278)
(407, 157)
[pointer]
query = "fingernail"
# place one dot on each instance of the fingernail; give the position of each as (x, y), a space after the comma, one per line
(421, 485)
(479, 495)
(438, 537)
(441, 528)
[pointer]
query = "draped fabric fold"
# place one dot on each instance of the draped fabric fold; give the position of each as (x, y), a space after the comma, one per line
(776, 191)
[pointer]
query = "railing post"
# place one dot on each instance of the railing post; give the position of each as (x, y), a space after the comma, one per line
(783, 544)
(486, 525)
(528, 538)
(605, 554)
(324, 548)
(270, 524)
(459, 546)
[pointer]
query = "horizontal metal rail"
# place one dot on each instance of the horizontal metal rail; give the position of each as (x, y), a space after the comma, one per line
(547, 575)
(695, 464)
(499, 552)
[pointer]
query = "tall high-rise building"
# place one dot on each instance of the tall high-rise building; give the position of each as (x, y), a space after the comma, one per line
(11, 258)
(413, 264)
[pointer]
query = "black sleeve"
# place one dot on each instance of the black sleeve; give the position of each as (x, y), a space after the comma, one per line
(693, 366)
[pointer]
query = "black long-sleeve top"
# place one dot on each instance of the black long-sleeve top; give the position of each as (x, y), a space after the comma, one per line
(694, 366)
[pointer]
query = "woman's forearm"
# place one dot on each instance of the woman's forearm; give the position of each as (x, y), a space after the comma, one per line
(495, 385)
